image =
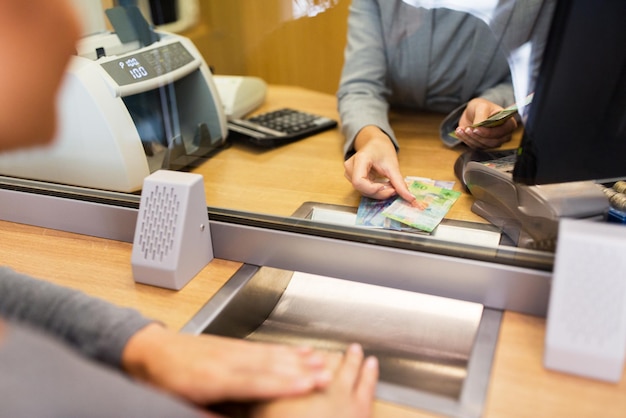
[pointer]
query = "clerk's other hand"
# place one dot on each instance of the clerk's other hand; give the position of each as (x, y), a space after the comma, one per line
(482, 137)
(208, 369)
(373, 170)
(351, 393)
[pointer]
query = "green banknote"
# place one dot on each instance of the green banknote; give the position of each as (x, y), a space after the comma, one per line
(432, 204)
(500, 117)
(370, 211)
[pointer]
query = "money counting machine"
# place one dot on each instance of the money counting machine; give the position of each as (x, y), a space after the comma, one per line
(133, 101)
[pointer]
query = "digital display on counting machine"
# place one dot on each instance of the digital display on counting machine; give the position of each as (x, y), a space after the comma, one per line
(148, 64)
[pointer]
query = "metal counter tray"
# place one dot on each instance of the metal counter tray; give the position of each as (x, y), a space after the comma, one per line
(435, 353)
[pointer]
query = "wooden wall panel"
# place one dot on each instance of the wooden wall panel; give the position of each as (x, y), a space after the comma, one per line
(264, 39)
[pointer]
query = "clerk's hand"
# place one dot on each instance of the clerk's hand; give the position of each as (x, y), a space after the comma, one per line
(374, 170)
(482, 137)
(208, 369)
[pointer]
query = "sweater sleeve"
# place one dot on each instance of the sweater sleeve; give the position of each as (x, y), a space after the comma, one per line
(94, 327)
(42, 377)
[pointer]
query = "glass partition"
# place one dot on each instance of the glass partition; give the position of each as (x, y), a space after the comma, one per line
(297, 48)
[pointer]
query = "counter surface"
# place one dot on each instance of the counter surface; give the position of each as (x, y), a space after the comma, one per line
(277, 182)
(520, 386)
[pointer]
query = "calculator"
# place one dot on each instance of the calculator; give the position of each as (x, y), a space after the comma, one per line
(278, 127)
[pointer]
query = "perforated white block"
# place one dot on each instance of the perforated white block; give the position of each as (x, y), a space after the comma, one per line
(586, 324)
(172, 240)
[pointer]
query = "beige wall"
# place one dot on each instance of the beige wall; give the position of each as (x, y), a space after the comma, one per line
(262, 38)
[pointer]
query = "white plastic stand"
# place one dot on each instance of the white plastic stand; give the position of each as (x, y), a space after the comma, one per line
(586, 327)
(172, 240)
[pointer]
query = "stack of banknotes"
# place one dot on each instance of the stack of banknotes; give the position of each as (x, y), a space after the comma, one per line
(434, 199)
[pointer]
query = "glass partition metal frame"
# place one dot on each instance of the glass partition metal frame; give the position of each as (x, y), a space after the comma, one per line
(501, 278)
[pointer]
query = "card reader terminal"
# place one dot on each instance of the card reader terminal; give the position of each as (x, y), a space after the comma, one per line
(529, 215)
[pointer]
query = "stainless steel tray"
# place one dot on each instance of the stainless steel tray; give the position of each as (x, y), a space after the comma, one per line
(435, 353)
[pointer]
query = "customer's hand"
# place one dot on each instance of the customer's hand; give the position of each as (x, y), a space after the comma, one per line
(351, 394)
(373, 170)
(207, 369)
(482, 137)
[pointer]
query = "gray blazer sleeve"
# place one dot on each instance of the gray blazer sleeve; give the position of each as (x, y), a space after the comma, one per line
(362, 92)
(94, 327)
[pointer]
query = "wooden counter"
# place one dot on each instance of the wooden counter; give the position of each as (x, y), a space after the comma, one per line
(520, 386)
(278, 181)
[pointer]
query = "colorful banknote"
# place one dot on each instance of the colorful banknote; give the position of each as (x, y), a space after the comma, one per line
(395, 214)
(370, 214)
(431, 205)
(500, 117)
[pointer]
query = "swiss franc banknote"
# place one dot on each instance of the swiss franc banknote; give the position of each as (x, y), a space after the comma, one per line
(432, 204)
(500, 117)
(370, 214)
(370, 211)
